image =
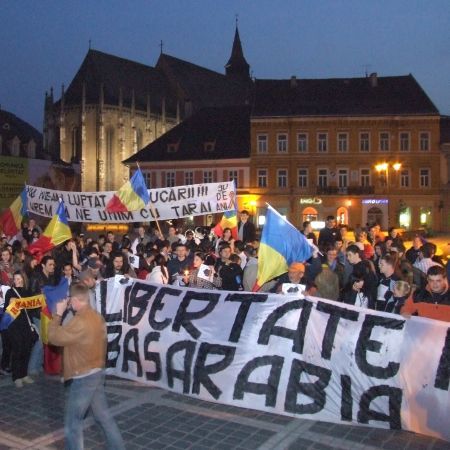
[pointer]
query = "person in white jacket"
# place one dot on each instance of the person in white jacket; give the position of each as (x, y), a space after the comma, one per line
(159, 273)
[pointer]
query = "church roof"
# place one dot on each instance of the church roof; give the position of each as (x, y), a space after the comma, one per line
(209, 134)
(341, 96)
(118, 73)
(237, 64)
(203, 87)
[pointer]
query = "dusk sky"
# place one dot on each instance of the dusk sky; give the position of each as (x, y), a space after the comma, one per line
(43, 42)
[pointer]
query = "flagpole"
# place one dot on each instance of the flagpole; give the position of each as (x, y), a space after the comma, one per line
(152, 209)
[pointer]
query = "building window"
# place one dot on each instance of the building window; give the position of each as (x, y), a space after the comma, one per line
(342, 139)
(233, 176)
(170, 179)
(262, 178)
(404, 142)
(365, 177)
(342, 178)
(364, 142)
(76, 142)
(261, 140)
(282, 143)
(404, 178)
(424, 178)
(384, 142)
(303, 178)
(322, 178)
(208, 176)
(282, 178)
(148, 179)
(189, 177)
(322, 142)
(208, 147)
(302, 142)
(424, 142)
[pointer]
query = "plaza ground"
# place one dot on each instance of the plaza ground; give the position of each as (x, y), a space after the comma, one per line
(151, 418)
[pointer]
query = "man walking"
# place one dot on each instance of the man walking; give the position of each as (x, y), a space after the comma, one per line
(84, 342)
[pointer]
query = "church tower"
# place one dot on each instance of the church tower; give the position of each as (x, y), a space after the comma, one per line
(237, 67)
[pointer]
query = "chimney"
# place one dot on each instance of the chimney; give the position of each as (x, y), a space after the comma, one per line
(373, 78)
(293, 81)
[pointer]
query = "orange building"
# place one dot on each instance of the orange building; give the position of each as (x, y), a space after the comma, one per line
(362, 149)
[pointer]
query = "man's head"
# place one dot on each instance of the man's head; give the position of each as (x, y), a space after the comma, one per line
(331, 253)
(67, 270)
(172, 231)
(295, 272)
(6, 255)
(87, 278)
(437, 279)
(117, 261)
(428, 250)
(353, 254)
(141, 230)
(244, 215)
(307, 227)
(79, 296)
(110, 236)
(181, 251)
(107, 247)
(48, 265)
(331, 222)
(225, 252)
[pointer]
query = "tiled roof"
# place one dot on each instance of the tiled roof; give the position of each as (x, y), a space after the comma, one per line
(11, 126)
(118, 73)
(202, 86)
(227, 129)
(341, 96)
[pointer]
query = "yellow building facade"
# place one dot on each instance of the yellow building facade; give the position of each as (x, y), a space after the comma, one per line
(384, 169)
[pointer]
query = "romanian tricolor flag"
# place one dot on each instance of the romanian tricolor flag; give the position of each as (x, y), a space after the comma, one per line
(132, 196)
(56, 233)
(281, 244)
(11, 219)
(16, 306)
(229, 220)
(53, 294)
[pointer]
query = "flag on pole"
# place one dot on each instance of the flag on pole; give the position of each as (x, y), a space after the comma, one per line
(229, 220)
(11, 219)
(56, 233)
(132, 196)
(281, 244)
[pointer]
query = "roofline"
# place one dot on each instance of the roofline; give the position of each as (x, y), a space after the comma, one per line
(207, 162)
(354, 116)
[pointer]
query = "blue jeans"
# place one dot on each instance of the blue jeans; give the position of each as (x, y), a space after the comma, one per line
(83, 393)
(36, 362)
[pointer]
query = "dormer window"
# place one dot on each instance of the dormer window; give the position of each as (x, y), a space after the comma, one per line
(6, 126)
(209, 146)
(172, 147)
(15, 147)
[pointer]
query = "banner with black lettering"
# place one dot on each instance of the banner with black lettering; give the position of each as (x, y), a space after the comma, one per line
(304, 357)
(166, 203)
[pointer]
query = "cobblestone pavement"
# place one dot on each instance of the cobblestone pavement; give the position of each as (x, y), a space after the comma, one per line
(149, 418)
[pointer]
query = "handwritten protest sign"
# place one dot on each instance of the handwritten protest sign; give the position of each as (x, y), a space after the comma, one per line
(167, 203)
(304, 357)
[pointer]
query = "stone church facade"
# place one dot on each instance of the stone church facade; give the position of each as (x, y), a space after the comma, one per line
(114, 107)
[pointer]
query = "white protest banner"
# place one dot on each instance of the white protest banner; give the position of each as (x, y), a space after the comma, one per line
(167, 203)
(304, 357)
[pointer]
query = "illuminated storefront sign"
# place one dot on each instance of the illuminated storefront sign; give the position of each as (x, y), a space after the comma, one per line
(311, 201)
(375, 201)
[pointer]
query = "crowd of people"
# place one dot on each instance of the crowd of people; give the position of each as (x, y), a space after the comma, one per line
(361, 267)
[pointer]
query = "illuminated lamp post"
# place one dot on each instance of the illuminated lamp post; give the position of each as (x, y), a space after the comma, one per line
(384, 167)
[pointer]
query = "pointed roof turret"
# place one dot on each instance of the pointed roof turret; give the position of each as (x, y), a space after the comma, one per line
(237, 65)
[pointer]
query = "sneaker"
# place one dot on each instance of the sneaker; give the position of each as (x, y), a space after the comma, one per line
(18, 383)
(28, 380)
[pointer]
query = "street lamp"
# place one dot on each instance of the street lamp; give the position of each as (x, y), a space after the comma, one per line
(384, 168)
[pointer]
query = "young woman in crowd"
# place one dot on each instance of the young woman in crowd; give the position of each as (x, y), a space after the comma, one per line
(21, 334)
(227, 238)
(207, 277)
(159, 273)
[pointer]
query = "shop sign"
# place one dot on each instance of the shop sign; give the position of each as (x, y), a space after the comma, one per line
(311, 201)
(375, 201)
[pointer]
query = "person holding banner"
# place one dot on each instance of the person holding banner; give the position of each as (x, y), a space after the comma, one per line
(21, 333)
(84, 341)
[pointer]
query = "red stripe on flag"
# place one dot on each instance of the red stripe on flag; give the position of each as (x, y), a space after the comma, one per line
(115, 205)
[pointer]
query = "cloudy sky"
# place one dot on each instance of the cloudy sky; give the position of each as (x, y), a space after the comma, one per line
(43, 42)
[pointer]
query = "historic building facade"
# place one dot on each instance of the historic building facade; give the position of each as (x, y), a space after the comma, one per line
(363, 149)
(114, 107)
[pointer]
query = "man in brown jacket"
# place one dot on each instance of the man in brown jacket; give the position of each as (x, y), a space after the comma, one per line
(84, 342)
